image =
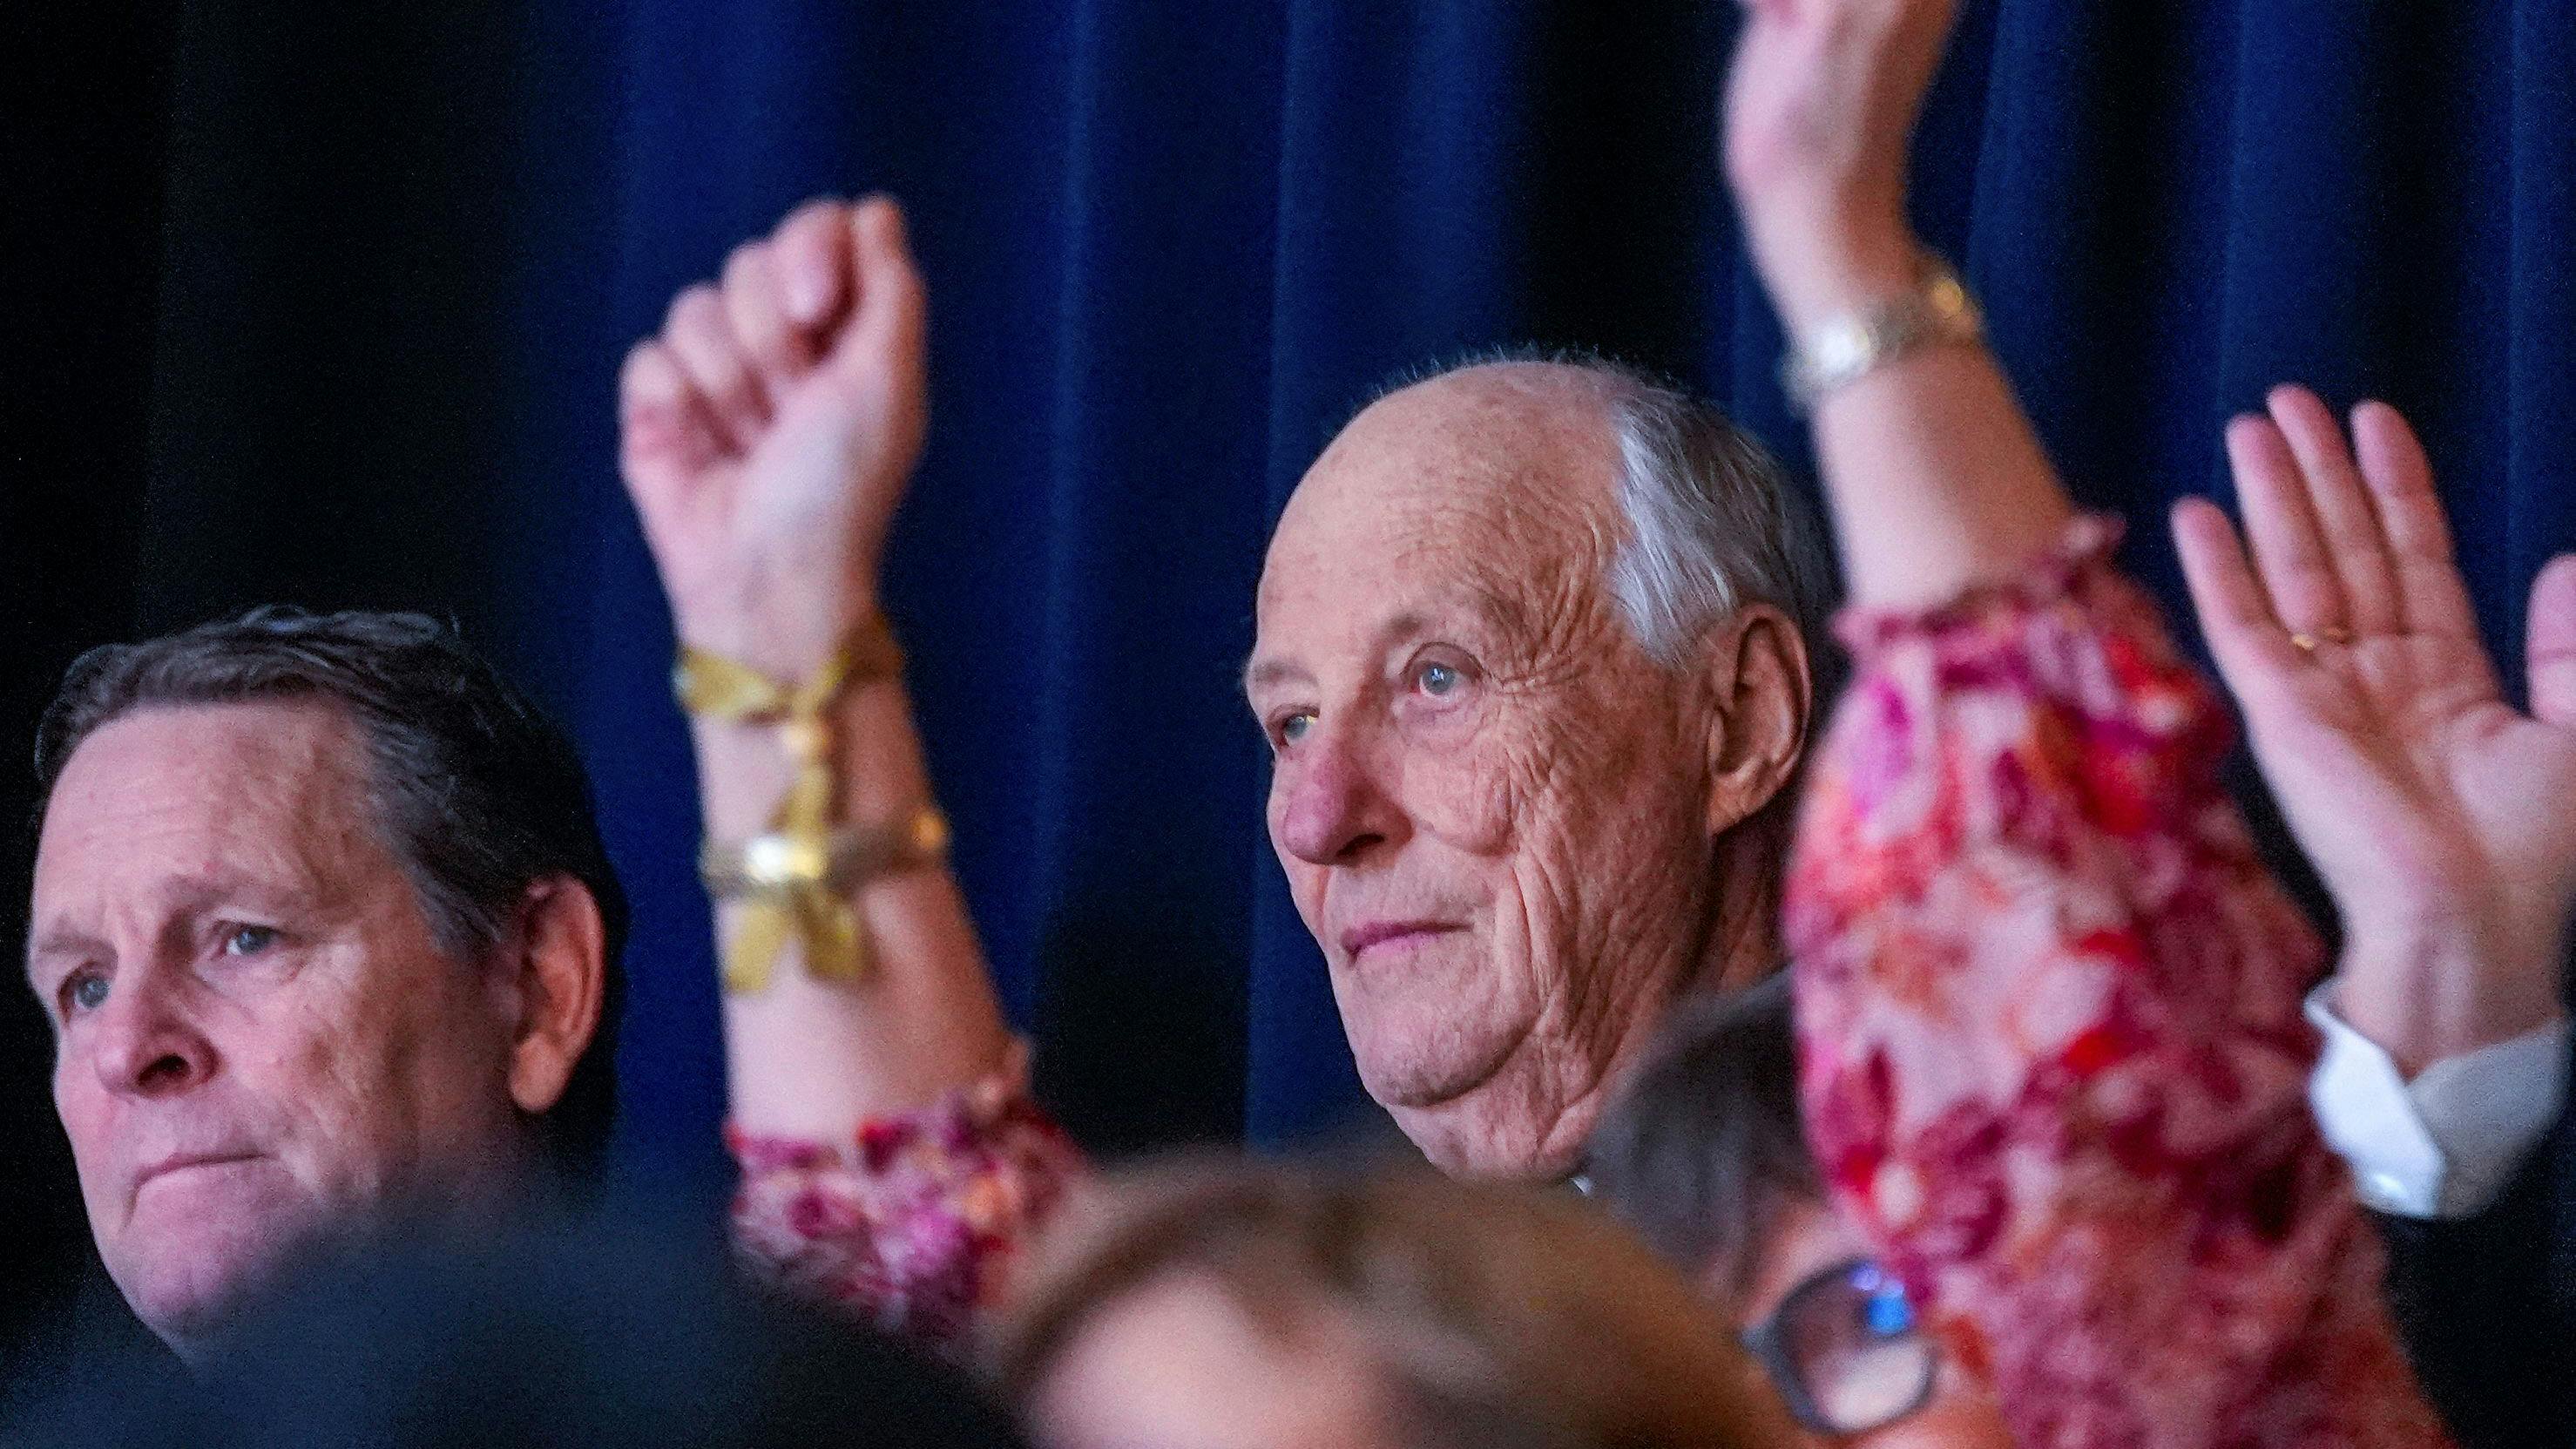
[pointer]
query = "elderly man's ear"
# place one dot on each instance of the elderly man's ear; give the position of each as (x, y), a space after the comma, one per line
(552, 987)
(1760, 693)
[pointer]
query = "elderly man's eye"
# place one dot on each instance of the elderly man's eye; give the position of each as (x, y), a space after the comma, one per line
(248, 940)
(1437, 680)
(1292, 728)
(86, 992)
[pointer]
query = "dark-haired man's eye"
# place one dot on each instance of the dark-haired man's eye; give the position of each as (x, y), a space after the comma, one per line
(248, 940)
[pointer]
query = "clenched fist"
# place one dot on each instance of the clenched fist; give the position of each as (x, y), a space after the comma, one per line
(770, 429)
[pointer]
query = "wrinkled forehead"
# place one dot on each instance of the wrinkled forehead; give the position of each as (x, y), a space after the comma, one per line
(1463, 491)
(163, 796)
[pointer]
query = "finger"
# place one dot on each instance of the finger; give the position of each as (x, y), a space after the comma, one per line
(2289, 550)
(2549, 636)
(778, 351)
(890, 319)
(701, 337)
(812, 250)
(2245, 637)
(662, 419)
(2356, 548)
(2419, 535)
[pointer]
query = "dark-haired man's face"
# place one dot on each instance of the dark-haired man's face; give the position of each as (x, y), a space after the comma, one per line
(258, 1035)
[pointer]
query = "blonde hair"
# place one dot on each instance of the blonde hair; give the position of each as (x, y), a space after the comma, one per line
(1497, 1315)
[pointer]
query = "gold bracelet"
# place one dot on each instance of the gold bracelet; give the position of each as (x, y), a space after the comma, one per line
(795, 857)
(712, 686)
(792, 887)
(1847, 348)
(852, 856)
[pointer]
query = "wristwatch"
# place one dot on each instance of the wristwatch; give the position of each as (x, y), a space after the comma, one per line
(1843, 349)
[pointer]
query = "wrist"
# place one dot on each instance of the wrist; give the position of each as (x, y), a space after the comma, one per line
(1816, 269)
(2426, 996)
(785, 627)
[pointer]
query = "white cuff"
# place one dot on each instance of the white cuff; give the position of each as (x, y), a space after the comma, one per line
(2445, 1144)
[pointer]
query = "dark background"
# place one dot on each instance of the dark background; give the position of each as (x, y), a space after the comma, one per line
(323, 303)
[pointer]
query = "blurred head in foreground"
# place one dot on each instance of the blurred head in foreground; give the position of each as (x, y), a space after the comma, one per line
(1704, 1153)
(553, 1333)
(1223, 1305)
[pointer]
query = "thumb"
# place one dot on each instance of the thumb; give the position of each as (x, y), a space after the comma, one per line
(2550, 643)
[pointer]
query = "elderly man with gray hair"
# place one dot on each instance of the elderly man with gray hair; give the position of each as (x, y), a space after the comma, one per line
(1532, 659)
(1531, 664)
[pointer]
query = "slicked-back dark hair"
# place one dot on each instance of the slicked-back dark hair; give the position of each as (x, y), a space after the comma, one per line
(1705, 1146)
(474, 791)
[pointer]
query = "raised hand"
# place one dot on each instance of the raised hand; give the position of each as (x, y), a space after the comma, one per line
(770, 429)
(2437, 814)
(1821, 100)
(769, 433)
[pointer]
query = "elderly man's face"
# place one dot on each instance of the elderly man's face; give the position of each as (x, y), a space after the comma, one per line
(258, 1034)
(1493, 808)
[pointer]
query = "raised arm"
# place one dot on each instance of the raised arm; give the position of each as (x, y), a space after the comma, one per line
(768, 433)
(2051, 1050)
(1934, 477)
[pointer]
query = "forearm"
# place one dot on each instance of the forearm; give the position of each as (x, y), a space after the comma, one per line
(813, 1058)
(2443, 1065)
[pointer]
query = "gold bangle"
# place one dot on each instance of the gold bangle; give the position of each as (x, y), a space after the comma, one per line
(803, 888)
(849, 858)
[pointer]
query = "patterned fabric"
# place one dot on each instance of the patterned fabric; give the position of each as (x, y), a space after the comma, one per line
(913, 1226)
(2052, 1053)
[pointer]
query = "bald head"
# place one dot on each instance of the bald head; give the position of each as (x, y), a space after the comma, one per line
(1499, 794)
(1514, 464)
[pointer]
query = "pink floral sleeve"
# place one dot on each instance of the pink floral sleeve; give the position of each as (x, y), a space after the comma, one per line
(2051, 1045)
(912, 1226)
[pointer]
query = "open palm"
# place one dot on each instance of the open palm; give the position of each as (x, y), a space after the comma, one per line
(2433, 809)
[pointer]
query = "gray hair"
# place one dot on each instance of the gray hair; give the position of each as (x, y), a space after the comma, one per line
(1711, 522)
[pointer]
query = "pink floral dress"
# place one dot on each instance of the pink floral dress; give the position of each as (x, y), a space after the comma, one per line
(2051, 1046)
(912, 1225)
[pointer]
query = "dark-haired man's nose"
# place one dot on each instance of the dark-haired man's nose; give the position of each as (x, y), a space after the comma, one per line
(143, 1041)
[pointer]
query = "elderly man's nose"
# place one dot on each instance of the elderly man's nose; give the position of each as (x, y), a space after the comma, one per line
(1336, 810)
(144, 1043)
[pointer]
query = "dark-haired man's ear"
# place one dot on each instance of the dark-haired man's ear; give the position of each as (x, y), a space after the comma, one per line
(1761, 693)
(560, 974)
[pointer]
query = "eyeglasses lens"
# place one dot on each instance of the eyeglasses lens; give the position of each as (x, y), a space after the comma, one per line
(1855, 1344)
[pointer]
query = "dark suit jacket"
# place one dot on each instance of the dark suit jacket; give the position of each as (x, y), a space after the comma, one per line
(2488, 1306)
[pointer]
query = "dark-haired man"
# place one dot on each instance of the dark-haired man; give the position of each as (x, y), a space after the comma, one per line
(323, 925)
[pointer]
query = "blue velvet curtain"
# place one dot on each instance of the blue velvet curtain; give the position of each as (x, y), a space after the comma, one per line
(1172, 246)
(377, 269)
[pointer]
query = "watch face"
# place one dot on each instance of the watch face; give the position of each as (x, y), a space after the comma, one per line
(1846, 348)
